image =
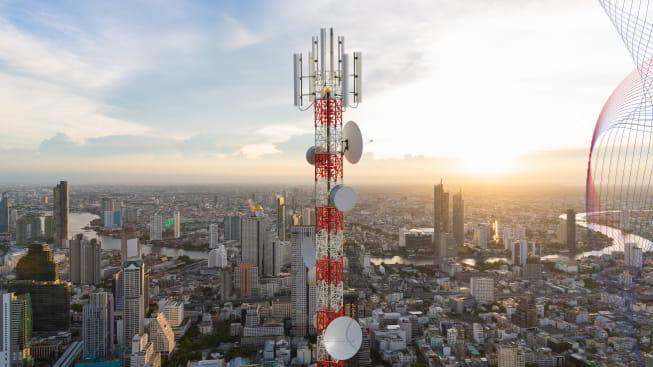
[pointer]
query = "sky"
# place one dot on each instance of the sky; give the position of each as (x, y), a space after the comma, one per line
(156, 92)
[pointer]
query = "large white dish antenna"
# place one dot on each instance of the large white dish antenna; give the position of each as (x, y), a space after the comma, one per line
(308, 252)
(343, 338)
(353, 139)
(343, 198)
(311, 277)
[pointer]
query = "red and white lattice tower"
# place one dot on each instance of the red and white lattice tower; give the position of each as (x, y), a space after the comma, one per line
(329, 94)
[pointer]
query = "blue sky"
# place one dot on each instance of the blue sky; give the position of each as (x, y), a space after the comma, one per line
(181, 91)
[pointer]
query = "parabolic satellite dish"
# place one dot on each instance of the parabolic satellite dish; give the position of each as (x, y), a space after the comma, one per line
(311, 277)
(342, 197)
(343, 338)
(353, 138)
(308, 252)
(310, 155)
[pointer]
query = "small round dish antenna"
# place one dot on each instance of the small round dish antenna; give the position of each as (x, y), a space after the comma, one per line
(353, 142)
(343, 338)
(311, 277)
(310, 155)
(308, 252)
(343, 198)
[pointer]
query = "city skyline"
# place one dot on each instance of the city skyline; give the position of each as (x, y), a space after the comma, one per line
(186, 99)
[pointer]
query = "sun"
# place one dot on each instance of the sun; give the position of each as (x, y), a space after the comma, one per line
(488, 164)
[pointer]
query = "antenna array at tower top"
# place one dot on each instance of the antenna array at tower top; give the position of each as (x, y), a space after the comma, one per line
(328, 73)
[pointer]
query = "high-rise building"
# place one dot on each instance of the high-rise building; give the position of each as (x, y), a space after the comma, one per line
(482, 289)
(177, 224)
(60, 214)
(173, 309)
(218, 257)
(38, 264)
(571, 229)
(525, 315)
(142, 353)
(254, 237)
(511, 357)
(50, 303)
(308, 217)
(632, 255)
(16, 328)
(129, 246)
(156, 227)
(161, 335)
(281, 218)
(85, 256)
(246, 279)
(227, 283)
(5, 209)
(302, 312)
(482, 235)
(272, 256)
(440, 212)
(519, 252)
(29, 228)
(213, 235)
(458, 218)
(134, 302)
(48, 226)
(232, 227)
(97, 329)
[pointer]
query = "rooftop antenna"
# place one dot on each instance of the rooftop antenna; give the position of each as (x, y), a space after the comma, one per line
(329, 82)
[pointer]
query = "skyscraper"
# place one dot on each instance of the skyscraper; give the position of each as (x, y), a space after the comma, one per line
(16, 328)
(60, 214)
(281, 218)
(218, 257)
(177, 220)
(156, 227)
(161, 335)
(571, 229)
(525, 315)
(38, 264)
(28, 228)
(440, 212)
(254, 237)
(50, 303)
(133, 313)
(246, 279)
(97, 330)
(519, 252)
(459, 218)
(85, 256)
(5, 208)
(213, 235)
(232, 227)
(129, 246)
(300, 291)
(482, 235)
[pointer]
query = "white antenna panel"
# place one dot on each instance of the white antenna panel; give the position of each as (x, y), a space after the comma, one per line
(322, 53)
(358, 77)
(311, 76)
(344, 76)
(296, 67)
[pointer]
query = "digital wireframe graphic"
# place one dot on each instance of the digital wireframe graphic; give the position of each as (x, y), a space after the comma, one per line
(619, 196)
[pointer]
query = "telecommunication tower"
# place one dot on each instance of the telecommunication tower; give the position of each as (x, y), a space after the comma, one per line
(328, 78)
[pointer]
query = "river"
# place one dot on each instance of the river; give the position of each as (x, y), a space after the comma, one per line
(619, 239)
(77, 221)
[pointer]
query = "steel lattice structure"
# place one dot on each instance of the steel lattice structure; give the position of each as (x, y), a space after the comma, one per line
(328, 94)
